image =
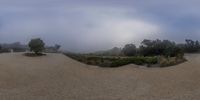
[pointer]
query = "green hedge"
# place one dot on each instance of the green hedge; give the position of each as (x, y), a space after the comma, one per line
(134, 60)
(108, 61)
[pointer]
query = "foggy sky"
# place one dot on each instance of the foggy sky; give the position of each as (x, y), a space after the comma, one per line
(89, 25)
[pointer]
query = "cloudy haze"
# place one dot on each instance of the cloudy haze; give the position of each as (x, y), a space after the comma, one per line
(88, 25)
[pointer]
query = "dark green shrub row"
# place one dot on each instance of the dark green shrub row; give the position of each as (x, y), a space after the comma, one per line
(109, 61)
(134, 60)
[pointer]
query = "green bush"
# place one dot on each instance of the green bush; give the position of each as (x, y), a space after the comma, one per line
(134, 60)
(151, 60)
(119, 62)
(107, 61)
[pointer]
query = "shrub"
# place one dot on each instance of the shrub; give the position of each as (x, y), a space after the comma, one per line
(164, 62)
(134, 60)
(161, 61)
(151, 60)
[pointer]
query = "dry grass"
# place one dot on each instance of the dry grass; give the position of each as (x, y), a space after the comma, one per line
(57, 77)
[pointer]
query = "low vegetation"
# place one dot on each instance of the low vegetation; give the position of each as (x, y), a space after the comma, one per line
(117, 61)
(151, 53)
(170, 61)
(111, 61)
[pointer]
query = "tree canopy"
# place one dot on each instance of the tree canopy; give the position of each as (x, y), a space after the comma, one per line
(37, 45)
(129, 50)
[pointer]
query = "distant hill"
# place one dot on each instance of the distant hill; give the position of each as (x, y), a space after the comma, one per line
(111, 52)
(16, 47)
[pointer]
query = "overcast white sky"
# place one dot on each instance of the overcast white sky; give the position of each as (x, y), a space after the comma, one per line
(89, 25)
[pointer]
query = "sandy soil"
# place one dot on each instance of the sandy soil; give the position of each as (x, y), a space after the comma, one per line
(57, 77)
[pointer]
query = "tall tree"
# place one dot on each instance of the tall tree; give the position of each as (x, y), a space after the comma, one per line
(129, 50)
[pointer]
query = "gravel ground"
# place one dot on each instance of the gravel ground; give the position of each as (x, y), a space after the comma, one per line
(57, 77)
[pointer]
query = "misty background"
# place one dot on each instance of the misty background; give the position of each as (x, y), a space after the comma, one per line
(91, 25)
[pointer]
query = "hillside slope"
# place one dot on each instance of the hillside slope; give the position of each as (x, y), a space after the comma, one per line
(57, 77)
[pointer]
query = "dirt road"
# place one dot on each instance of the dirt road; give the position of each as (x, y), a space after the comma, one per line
(57, 77)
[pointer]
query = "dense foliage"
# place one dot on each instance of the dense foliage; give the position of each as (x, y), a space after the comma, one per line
(161, 48)
(129, 50)
(36, 45)
(158, 47)
(150, 53)
(191, 46)
(111, 61)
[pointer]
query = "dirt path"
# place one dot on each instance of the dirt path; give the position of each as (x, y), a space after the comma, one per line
(57, 77)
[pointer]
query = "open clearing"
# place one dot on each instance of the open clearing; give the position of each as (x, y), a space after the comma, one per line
(57, 77)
